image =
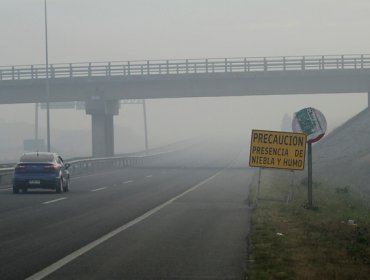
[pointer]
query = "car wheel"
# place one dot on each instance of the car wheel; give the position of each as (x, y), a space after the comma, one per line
(15, 189)
(60, 186)
(24, 190)
(66, 187)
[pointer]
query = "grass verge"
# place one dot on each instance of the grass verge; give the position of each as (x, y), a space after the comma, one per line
(289, 241)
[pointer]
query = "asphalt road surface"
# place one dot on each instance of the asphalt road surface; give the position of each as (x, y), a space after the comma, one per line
(182, 217)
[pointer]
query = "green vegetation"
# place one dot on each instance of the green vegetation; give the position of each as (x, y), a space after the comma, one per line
(288, 241)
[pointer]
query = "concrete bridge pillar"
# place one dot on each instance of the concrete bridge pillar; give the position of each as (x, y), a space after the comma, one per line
(102, 112)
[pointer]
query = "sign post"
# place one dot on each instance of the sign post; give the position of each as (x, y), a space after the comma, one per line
(311, 122)
(309, 179)
(276, 149)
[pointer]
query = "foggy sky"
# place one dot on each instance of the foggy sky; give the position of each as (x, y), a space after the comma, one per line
(95, 30)
(121, 30)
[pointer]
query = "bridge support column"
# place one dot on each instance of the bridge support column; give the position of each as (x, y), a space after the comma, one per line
(102, 112)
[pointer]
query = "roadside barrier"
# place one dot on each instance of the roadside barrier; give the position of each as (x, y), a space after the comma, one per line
(93, 165)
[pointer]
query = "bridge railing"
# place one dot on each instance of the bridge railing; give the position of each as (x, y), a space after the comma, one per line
(186, 66)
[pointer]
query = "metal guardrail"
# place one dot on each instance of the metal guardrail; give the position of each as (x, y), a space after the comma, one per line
(6, 175)
(91, 165)
(185, 66)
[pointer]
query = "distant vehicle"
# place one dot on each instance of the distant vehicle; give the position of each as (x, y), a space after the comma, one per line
(41, 170)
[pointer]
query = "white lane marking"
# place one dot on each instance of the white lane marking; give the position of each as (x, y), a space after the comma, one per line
(67, 259)
(5, 189)
(55, 200)
(149, 176)
(99, 189)
(128, 182)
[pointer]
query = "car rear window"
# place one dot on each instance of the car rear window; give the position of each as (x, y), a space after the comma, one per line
(37, 158)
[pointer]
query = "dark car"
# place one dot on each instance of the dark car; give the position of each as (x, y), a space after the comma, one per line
(41, 170)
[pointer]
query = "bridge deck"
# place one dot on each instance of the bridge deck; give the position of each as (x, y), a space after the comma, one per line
(186, 66)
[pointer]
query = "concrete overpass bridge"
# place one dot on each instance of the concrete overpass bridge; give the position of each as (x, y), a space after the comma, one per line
(101, 85)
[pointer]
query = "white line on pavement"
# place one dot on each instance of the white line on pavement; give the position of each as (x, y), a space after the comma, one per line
(99, 189)
(55, 200)
(128, 182)
(55, 266)
(149, 176)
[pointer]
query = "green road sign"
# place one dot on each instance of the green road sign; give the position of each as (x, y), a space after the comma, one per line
(305, 121)
(310, 122)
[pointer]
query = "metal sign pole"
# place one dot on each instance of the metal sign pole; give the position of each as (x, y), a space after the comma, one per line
(47, 83)
(309, 175)
(313, 123)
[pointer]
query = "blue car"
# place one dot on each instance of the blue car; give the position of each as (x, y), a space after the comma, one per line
(41, 170)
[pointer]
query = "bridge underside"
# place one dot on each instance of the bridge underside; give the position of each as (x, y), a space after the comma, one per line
(102, 94)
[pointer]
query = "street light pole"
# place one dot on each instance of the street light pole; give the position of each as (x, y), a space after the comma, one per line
(145, 128)
(47, 86)
(37, 124)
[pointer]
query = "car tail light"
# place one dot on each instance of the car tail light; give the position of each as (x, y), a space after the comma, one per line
(51, 167)
(20, 167)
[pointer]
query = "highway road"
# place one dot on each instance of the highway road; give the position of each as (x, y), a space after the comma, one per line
(182, 217)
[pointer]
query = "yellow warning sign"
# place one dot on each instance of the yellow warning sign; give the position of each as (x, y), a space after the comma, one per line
(276, 149)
